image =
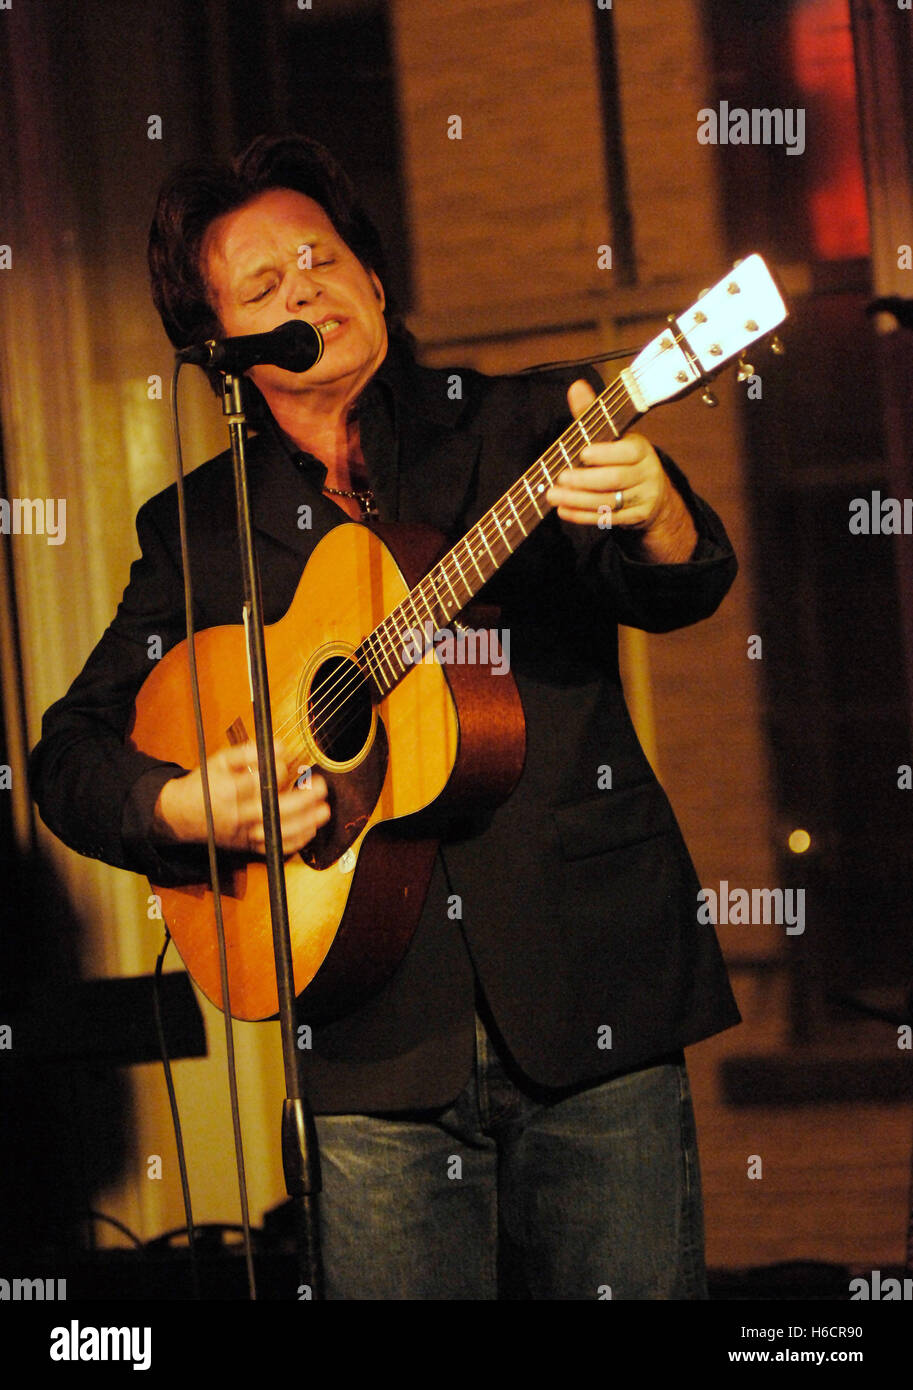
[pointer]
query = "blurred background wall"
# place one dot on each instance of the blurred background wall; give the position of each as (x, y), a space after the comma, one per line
(578, 130)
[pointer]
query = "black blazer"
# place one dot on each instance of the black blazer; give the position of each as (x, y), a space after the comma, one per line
(578, 905)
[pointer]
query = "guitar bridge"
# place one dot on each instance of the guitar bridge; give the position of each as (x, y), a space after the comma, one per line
(236, 732)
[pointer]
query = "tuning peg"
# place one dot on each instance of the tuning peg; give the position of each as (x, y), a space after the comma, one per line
(708, 397)
(746, 370)
(776, 345)
(704, 291)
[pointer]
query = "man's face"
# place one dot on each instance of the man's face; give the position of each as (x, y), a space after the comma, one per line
(255, 265)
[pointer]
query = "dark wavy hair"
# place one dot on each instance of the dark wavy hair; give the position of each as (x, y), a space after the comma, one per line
(197, 193)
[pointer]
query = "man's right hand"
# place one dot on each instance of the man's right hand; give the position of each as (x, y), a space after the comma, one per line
(234, 789)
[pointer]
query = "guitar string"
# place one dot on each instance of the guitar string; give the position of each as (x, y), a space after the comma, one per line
(336, 694)
(352, 677)
(379, 645)
(384, 648)
(594, 415)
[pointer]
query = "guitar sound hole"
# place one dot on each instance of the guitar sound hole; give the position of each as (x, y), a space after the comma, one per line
(339, 709)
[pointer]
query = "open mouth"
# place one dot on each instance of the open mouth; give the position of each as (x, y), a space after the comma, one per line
(329, 326)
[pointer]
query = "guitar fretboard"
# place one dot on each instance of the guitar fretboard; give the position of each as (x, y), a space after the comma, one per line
(457, 578)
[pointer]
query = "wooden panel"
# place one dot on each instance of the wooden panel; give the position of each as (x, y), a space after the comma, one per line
(517, 207)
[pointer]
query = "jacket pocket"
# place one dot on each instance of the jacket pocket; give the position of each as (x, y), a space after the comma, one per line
(612, 819)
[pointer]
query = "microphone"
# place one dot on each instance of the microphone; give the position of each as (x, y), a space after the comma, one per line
(295, 345)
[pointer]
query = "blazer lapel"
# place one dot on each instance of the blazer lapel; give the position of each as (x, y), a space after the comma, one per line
(436, 464)
(286, 503)
(427, 473)
(437, 475)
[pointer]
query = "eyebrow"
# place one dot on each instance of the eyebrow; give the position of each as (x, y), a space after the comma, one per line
(255, 274)
(268, 267)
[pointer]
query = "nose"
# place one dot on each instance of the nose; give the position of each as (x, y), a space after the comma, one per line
(303, 288)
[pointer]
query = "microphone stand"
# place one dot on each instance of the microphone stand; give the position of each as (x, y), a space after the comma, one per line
(300, 1155)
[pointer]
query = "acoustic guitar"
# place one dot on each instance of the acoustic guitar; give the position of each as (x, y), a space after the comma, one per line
(360, 691)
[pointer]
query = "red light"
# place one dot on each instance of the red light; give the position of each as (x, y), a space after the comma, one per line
(822, 61)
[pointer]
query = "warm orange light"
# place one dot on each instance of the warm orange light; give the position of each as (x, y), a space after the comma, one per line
(799, 841)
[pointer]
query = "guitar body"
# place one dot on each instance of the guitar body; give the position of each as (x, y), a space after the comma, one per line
(443, 737)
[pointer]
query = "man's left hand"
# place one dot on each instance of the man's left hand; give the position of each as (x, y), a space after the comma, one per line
(623, 485)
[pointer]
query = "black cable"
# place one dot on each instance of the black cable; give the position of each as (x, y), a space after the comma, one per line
(612, 356)
(118, 1225)
(211, 837)
(175, 1115)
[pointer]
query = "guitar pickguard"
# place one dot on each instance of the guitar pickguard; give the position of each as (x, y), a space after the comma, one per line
(352, 797)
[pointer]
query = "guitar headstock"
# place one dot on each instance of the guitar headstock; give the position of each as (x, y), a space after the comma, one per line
(741, 308)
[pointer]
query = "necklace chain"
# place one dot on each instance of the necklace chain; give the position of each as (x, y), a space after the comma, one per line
(363, 496)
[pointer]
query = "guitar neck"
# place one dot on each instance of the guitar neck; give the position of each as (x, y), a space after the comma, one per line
(457, 578)
(740, 309)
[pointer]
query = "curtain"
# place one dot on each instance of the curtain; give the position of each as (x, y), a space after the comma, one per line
(84, 371)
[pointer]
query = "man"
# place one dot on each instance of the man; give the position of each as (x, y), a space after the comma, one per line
(516, 1096)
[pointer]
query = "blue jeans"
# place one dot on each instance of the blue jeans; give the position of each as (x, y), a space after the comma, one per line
(594, 1195)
